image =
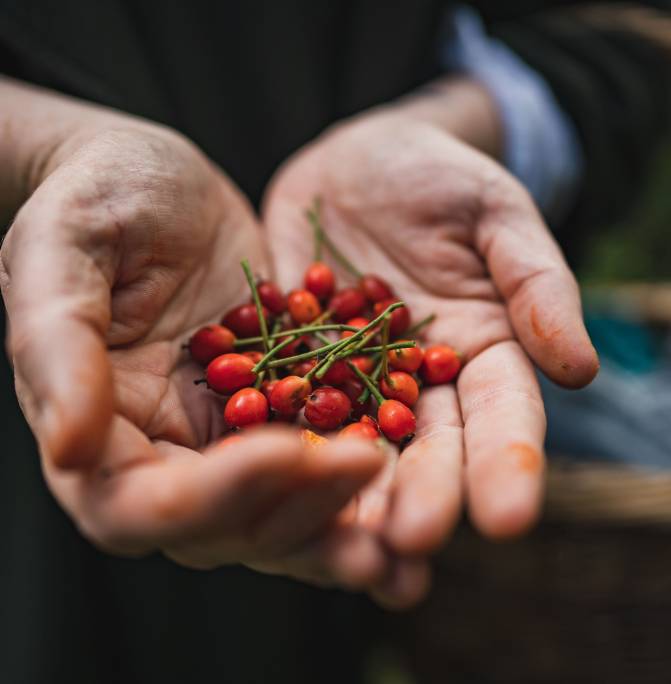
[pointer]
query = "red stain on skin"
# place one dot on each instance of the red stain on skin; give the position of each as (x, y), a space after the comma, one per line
(526, 457)
(540, 332)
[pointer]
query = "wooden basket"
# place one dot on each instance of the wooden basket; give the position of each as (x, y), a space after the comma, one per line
(585, 598)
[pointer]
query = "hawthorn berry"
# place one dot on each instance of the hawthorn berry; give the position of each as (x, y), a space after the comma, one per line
(354, 388)
(271, 297)
(303, 306)
(319, 280)
(246, 407)
(374, 288)
(361, 430)
(255, 356)
(401, 386)
(289, 395)
(358, 322)
(298, 346)
(244, 321)
(347, 303)
(441, 364)
(230, 372)
(327, 408)
(209, 342)
(337, 374)
(364, 363)
(267, 387)
(396, 420)
(400, 318)
(304, 367)
(408, 359)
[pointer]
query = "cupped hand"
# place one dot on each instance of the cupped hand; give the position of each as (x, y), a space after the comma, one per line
(131, 240)
(457, 236)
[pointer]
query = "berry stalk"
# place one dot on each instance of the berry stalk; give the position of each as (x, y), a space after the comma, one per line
(370, 385)
(314, 216)
(257, 302)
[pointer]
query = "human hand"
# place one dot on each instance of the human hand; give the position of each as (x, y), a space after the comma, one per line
(130, 241)
(456, 235)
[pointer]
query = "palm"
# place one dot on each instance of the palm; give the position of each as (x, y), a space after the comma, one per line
(405, 200)
(142, 244)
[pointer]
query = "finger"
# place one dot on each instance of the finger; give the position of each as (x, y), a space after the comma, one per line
(504, 429)
(57, 301)
(347, 557)
(406, 584)
(540, 291)
(427, 493)
(373, 502)
(184, 497)
(336, 472)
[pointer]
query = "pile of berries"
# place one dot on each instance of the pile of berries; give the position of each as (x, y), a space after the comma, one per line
(344, 359)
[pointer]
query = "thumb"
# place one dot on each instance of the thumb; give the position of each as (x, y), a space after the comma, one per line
(57, 298)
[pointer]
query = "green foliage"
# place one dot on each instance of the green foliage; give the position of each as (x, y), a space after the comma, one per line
(639, 246)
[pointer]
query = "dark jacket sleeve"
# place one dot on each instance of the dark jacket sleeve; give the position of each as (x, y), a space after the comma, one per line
(609, 65)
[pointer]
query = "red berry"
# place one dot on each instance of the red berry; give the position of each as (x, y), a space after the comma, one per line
(210, 342)
(319, 280)
(337, 374)
(400, 318)
(360, 430)
(244, 321)
(303, 368)
(440, 365)
(327, 408)
(229, 373)
(289, 395)
(303, 306)
(371, 421)
(401, 386)
(267, 387)
(246, 407)
(408, 359)
(353, 388)
(271, 297)
(396, 420)
(358, 322)
(347, 303)
(364, 363)
(374, 288)
(255, 356)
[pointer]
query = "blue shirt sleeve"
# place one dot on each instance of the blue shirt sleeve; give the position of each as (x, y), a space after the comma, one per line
(541, 147)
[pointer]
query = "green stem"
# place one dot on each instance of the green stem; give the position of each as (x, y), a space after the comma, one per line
(245, 341)
(363, 397)
(407, 344)
(422, 324)
(305, 356)
(314, 216)
(370, 385)
(276, 328)
(385, 348)
(340, 345)
(322, 338)
(350, 341)
(265, 362)
(257, 301)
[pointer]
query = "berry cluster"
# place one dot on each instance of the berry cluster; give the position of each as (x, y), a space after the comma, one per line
(341, 357)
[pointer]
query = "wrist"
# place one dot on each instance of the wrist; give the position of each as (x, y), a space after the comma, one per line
(461, 107)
